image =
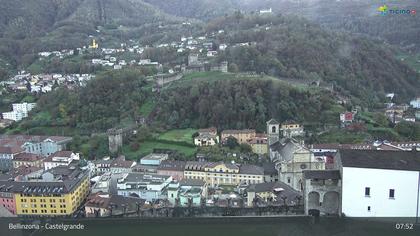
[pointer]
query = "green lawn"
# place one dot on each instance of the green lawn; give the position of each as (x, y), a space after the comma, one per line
(148, 146)
(147, 108)
(178, 135)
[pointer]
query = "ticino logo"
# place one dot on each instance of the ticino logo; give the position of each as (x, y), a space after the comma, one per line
(385, 10)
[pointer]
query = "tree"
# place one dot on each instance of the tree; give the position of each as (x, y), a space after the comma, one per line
(231, 142)
(245, 148)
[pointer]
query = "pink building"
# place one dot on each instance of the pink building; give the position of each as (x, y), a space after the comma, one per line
(7, 199)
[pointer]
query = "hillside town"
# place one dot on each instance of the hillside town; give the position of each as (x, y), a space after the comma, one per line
(42, 176)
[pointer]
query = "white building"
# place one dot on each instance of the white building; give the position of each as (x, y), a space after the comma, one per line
(60, 158)
(415, 103)
(379, 183)
(148, 187)
(20, 111)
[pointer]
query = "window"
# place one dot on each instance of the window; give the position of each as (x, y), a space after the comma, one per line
(288, 180)
(367, 191)
(391, 193)
(368, 208)
(273, 129)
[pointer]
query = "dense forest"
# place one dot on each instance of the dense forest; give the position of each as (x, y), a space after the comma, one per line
(243, 103)
(107, 101)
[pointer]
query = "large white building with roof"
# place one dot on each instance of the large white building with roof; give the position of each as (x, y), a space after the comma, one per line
(379, 183)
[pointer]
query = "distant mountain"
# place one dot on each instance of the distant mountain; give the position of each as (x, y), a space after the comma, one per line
(199, 9)
(358, 16)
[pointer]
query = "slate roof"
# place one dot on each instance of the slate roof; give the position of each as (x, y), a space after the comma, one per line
(393, 160)
(61, 154)
(251, 169)
(269, 169)
(172, 165)
(27, 157)
(192, 182)
(321, 174)
(47, 187)
(242, 131)
(273, 122)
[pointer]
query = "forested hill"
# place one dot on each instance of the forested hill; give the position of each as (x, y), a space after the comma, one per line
(295, 48)
(243, 103)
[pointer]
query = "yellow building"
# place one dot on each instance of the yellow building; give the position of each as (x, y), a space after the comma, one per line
(94, 44)
(292, 129)
(242, 136)
(52, 197)
(259, 144)
(215, 174)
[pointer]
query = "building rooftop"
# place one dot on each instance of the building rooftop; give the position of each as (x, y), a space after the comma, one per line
(120, 162)
(27, 157)
(374, 159)
(62, 154)
(273, 122)
(242, 131)
(208, 130)
(321, 174)
(102, 200)
(155, 156)
(251, 169)
(58, 185)
(172, 165)
(269, 169)
(192, 182)
(196, 165)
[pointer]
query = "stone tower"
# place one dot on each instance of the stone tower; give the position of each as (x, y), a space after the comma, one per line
(273, 131)
(115, 140)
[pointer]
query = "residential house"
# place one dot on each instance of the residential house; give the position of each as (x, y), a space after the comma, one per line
(272, 192)
(7, 153)
(42, 145)
(415, 103)
(207, 137)
(60, 158)
(7, 199)
(120, 165)
(27, 159)
(346, 118)
(259, 144)
(242, 136)
(188, 192)
(291, 129)
(104, 205)
(20, 111)
(103, 165)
